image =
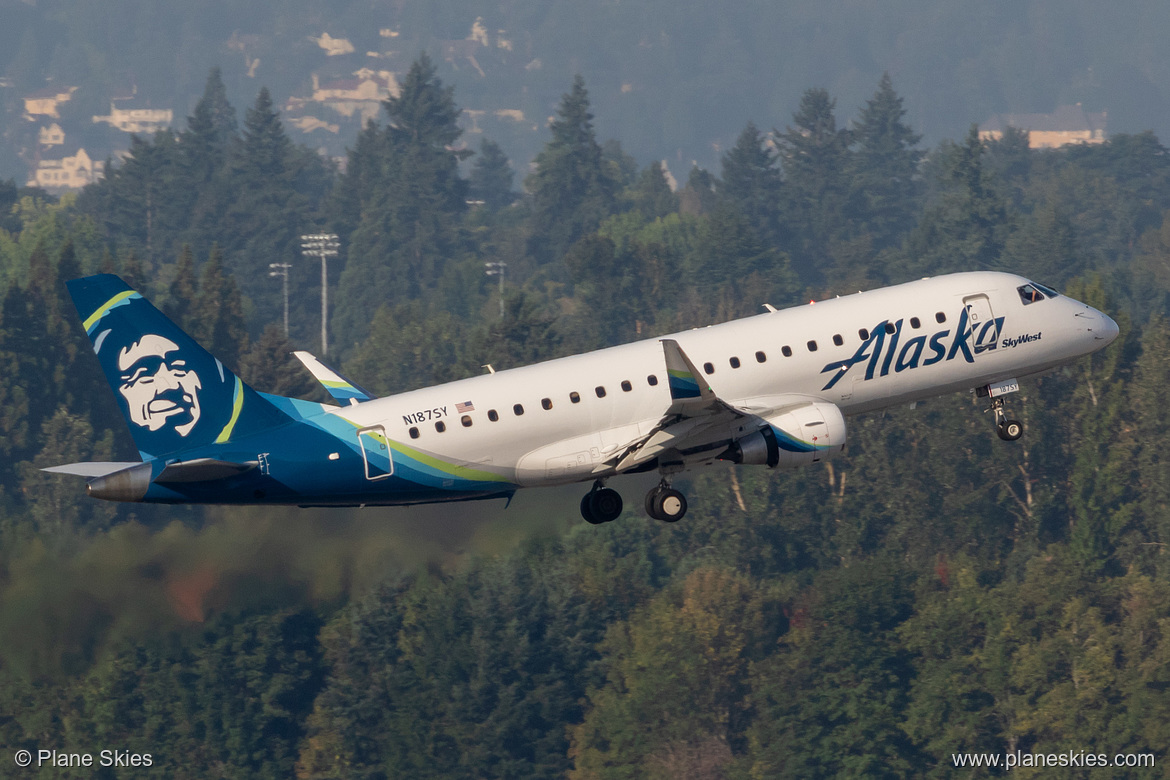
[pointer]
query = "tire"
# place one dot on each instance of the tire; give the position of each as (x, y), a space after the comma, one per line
(1010, 430)
(650, 508)
(605, 504)
(587, 510)
(669, 506)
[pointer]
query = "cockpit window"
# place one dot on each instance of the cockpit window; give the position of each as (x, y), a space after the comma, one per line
(1029, 294)
(1046, 290)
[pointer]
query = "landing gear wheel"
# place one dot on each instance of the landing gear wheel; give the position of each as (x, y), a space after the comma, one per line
(670, 505)
(1010, 430)
(601, 505)
(666, 504)
(587, 511)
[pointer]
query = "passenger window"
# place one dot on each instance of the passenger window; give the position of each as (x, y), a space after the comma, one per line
(466, 420)
(518, 409)
(626, 386)
(734, 362)
(890, 327)
(546, 403)
(863, 333)
(915, 323)
(575, 397)
(708, 368)
(761, 357)
(786, 351)
(600, 391)
(440, 426)
(940, 317)
(652, 380)
(1029, 294)
(493, 416)
(414, 433)
(838, 340)
(812, 346)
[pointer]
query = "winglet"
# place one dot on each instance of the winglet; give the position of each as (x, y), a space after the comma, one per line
(688, 388)
(334, 383)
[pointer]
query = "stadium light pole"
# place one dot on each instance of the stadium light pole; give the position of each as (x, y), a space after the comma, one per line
(281, 270)
(324, 246)
(497, 269)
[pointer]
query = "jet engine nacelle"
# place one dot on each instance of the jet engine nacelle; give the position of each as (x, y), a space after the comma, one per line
(803, 435)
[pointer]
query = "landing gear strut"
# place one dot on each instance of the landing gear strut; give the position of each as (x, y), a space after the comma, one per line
(1008, 430)
(665, 503)
(601, 504)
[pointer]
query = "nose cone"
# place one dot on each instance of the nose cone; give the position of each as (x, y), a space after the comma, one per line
(1107, 330)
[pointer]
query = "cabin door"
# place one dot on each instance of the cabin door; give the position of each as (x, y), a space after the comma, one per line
(981, 322)
(376, 455)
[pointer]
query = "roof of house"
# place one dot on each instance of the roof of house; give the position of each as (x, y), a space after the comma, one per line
(1064, 119)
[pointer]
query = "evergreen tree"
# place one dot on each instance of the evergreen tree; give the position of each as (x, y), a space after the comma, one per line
(268, 365)
(183, 290)
(966, 226)
(883, 176)
(815, 158)
(410, 226)
(698, 197)
(220, 314)
(651, 195)
(751, 182)
(211, 131)
(571, 189)
(491, 177)
(267, 213)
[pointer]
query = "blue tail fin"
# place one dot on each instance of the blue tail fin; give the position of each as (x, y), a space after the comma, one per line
(174, 394)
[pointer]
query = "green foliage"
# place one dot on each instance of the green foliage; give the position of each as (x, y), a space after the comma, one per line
(932, 590)
(409, 200)
(572, 188)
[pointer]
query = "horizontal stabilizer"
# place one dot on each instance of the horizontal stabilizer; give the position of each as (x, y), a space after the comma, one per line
(334, 383)
(89, 470)
(202, 470)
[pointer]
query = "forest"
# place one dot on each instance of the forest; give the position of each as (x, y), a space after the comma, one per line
(932, 591)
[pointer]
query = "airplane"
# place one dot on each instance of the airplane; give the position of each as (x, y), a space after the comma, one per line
(772, 390)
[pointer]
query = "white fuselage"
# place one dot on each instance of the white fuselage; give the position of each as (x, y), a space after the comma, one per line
(567, 441)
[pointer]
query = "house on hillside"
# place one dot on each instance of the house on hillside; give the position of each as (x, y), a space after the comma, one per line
(360, 96)
(1065, 125)
(70, 172)
(137, 120)
(52, 135)
(46, 101)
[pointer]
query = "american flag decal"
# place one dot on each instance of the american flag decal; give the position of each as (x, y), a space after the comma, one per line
(466, 406)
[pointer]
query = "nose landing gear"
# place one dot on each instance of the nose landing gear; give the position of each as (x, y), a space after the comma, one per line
(1008, 430)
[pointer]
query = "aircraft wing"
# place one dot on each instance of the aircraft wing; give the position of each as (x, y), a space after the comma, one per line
(693, 412)
(334, 383)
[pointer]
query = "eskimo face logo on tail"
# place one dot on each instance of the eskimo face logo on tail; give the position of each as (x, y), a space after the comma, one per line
(885, 349)
(160, 390)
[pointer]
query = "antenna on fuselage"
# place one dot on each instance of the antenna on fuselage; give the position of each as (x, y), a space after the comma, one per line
(488, 366)
(769, 307)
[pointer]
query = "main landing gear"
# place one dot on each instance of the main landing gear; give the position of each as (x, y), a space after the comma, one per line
(665, 503)
(602, 504)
